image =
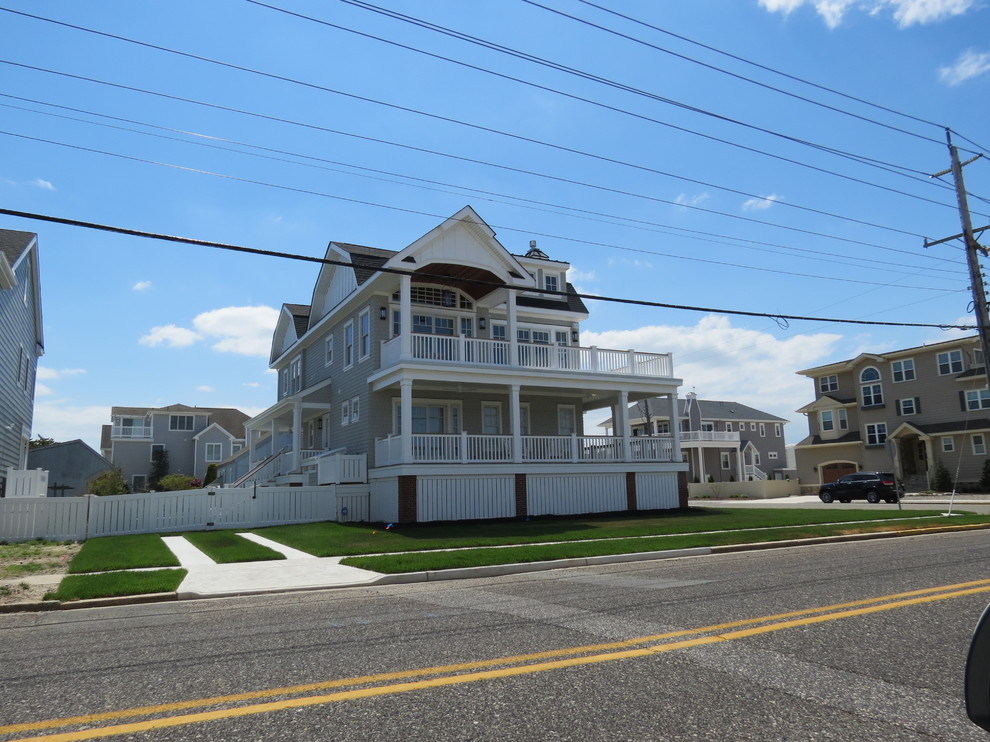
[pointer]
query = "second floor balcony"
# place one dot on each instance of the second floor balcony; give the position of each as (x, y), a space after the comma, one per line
(131, 432)
(463, 350)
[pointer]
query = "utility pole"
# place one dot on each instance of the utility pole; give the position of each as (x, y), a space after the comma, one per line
(972, 246)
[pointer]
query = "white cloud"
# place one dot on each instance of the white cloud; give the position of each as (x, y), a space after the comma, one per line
(252, 384)
(722, 362)
(205, 388)
(760, 204)
(172, 335)
(63, 422)
(243, 330)
(970, 64)
(43, 184)
(905, 12)
(141, 286)
(685, 200)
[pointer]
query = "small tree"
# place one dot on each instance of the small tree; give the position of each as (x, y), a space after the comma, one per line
(110, 482)
(159, 468)
(985, 479)
(40, 442)
(941, 479)
(211, 474)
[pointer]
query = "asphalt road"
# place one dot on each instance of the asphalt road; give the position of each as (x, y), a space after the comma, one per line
(838, 642)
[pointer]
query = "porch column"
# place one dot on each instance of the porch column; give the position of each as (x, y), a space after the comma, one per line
(275, 448)
(251, 435)
(405, 318)
(739, 463)
(702, 477)
(675, 426)
(296, 435)
(510, 304)
(622, 420)
(405, 411)
(515, 423)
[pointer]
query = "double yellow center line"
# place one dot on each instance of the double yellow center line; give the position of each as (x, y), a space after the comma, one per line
(345, 689)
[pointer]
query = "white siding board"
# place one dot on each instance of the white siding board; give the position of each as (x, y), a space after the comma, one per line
(465, 498)
(657, 491)
(573, 494)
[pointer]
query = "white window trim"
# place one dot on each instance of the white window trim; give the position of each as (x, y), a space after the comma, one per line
(328, 350)
(902, 361)
(763, 430)
(345, 412)
(948, 444)
(724, 460)
(364, 318)
(349, 347)
(206, 453)
(982, 449)
(574, 419)
(497, 406)
(355, 409)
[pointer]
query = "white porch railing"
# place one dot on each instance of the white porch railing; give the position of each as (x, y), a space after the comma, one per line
(704, 436)
(465, 448)
(477, 351)
(130, 431)
(754, 472)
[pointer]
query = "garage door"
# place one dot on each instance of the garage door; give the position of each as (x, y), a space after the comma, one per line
(831, 472)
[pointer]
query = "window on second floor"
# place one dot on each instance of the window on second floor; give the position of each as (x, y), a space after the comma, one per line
(903, 370)
(778, 430)
(909, 406)
(348, 344)
(763, 430)
(550, 282)
(979, 444)
(364, 334)
(328, 351)
(826, 421)
(180, 422)
(950, 362)
(828, 384)
(214, 453)
(948, 444)
(871, 387)
(978, 399)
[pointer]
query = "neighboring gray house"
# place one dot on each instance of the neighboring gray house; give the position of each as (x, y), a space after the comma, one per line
(724, 441)
(899, 411)
(453, 368)
(193, 437)
(70, 466)
(21, 344)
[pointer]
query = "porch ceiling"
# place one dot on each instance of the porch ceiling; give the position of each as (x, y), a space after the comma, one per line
(462, 277)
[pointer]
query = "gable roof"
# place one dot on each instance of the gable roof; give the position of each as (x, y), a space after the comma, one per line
(14, 243)
(709, 409)
(229, 418)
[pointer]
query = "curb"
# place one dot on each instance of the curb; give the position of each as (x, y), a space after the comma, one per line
(496, 570)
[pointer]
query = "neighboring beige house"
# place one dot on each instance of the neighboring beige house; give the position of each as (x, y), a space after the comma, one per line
(899, 411)
(453, 368)
(193, 437)
(722, 441)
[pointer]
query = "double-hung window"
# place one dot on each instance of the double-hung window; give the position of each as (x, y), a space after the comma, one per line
(950, 362)
(364, 334)
(876, 434)
(978, 399)
(979, 444)
(214, 453)
(903, 370)
(828, 384)
(348, 344)
(871, 387)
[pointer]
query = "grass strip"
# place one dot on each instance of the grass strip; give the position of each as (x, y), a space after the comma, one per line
(438, 560)
(115, 584)
(123, 552)
(354, 539)
(226, 547)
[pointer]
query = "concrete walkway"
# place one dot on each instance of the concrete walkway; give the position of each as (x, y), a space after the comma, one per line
(298, 571)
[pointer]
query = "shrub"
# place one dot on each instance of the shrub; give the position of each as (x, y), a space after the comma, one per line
(941, 479)
(108, 483)
(985, 479)
(173, 482)
(211, 474)
(159, 468)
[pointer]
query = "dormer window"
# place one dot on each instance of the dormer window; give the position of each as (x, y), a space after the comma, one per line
(550, 283)
(437, 296)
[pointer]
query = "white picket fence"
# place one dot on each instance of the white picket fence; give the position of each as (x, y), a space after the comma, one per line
(79, 518)
(26, 482)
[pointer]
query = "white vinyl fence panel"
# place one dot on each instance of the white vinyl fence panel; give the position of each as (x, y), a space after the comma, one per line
(78, 518)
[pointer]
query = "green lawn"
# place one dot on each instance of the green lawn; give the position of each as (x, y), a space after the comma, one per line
(226, 547)
(353, 539)
(123, 552)
(115, 584)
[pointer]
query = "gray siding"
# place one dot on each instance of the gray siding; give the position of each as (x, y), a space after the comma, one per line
(19, 349)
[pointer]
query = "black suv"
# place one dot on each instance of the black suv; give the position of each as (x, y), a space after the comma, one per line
(874, 486)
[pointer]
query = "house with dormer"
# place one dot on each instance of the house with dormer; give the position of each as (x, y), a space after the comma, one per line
(899, 411)
(452, 367)
(21, 344)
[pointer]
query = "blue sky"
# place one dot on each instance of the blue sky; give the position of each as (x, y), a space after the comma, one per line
(670, 169)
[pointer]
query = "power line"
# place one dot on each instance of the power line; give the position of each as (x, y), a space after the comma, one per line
(479, 127)
(888, 167)
(461, 158)
(754, 64)
(579, 213)
(419, 274)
